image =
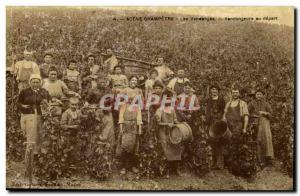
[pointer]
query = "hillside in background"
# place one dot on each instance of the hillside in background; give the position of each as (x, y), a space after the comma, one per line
(248, 53)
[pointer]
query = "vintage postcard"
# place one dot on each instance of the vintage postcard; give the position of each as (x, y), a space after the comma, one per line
(150, 98)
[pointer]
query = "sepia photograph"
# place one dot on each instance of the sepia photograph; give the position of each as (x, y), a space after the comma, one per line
(160, 98)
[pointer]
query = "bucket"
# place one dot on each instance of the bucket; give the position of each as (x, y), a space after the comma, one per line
(219, 129)
(181, 132)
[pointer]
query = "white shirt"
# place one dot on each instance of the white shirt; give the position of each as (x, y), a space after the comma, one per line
(163, 72)
(172, 83)
(25, 64)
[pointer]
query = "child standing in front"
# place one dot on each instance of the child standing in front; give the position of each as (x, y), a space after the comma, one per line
(70, 123)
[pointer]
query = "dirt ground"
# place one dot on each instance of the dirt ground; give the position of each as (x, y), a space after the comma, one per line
(266, 179)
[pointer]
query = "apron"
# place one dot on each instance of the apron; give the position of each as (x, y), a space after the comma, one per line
(31, 126)
(128, 141)
(179, 87)
(171, 151)
(25, 74)
(264, 140)
(234, 119)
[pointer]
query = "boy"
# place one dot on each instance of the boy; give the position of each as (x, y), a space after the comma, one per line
(118, 80)
(70, 122)
(72, 77)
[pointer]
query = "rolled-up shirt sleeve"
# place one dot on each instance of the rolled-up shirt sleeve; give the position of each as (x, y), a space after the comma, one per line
(244, 109)
(226, 108)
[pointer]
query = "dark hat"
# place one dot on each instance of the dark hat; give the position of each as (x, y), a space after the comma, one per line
(158, 83)
(90, 55)
(236, 87)
(260, 90)
(117, 66)
(72, 61)
(214, 86)
(153, 71)
(49, 53)
(168, 92)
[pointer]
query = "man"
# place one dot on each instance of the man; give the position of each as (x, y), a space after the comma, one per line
(111, 62)
(236, 114)
(44, 68)
(164, 72)
(184, 112)
(214, 112)
(177, 83)
(23, 69)
(90, 73)
(215, 106)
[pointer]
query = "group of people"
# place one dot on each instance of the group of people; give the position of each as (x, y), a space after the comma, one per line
(84, 87)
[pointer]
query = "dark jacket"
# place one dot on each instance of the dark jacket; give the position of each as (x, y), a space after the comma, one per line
(32, 98)
(214, 109)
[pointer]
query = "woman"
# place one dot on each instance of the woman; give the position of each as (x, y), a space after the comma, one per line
(57, 88)
(29, 103)
(130, 120)
(261, 112)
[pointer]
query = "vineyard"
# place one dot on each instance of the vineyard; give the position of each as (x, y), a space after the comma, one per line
(251, 54)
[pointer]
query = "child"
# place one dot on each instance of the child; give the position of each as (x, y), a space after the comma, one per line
(72, 77)
(70, 122)
(150, 82)
(118, 80)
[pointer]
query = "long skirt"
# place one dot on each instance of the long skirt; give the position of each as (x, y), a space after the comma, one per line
(128, 140)
(31, 126)
(264, 140)
(171, 151)
(128, 145)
